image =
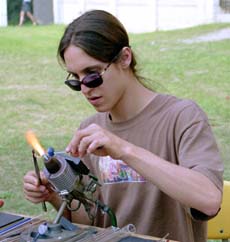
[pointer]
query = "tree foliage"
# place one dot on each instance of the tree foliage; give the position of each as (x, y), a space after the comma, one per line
(13, 9)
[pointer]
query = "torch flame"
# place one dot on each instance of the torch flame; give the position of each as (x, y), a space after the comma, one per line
(33, 141)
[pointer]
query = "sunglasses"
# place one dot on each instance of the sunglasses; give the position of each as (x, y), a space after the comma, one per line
(91, 80)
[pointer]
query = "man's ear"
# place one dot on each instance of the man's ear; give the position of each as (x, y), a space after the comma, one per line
(125, 57)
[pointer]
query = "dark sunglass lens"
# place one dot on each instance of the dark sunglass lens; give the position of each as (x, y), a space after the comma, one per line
(74, 84)
(92, 80)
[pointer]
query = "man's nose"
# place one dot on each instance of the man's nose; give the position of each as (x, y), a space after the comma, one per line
(85, 89)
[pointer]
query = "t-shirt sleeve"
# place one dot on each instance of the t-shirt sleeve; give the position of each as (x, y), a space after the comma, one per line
(197, 147)
(198, 150)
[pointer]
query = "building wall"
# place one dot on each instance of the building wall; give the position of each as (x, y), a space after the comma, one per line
(182, 14)
(3, 12)
(67, 10)
(136, 15)
(144, 15)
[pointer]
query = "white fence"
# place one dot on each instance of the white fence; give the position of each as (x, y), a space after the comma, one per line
(3, 13)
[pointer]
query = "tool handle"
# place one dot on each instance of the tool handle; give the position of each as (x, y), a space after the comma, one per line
(37, 171)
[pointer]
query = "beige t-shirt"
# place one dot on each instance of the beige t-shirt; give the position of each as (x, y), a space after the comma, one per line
(177, 131)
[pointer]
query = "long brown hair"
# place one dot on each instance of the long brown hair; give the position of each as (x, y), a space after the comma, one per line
(99, 34)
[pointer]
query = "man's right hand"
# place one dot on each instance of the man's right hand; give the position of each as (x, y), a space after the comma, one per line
(35, 192)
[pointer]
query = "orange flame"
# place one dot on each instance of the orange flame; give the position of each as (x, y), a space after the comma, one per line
(33, 141)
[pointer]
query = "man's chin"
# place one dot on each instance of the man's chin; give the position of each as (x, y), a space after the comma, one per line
(101, 109)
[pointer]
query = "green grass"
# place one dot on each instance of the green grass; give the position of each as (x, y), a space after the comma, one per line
(33, 95)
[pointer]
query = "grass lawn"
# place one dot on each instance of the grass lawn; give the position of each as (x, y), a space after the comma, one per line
(33, 95)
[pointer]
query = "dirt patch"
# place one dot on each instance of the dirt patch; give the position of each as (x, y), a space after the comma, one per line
(210, 37)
